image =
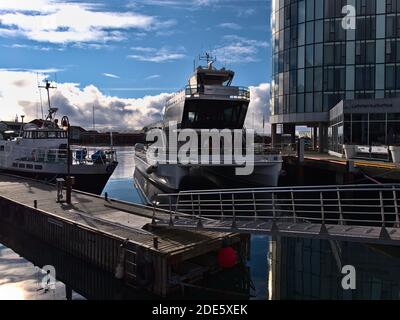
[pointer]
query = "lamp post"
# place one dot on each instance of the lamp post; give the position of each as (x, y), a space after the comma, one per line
(67, 127)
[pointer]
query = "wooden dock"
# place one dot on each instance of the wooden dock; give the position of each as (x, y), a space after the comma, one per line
(387, 171)
(114, 235)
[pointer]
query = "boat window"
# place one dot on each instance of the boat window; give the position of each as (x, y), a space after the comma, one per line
(42, 135)
(209, 115)
(191, 116)
(52, 134)
(28, 134)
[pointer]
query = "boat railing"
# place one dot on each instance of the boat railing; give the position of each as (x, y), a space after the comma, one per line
(362, 205)
(239, 93)
(79, 155)
(154, 153)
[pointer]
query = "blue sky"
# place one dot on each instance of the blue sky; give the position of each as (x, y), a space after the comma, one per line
(132, 48)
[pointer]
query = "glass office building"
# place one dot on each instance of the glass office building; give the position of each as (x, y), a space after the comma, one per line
(319, 59)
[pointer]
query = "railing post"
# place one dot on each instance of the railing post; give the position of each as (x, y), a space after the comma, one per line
(255, 207)
(192, 203)
(171, 221)
(199, 223)
(293, 207)
(382, 208)
(322, 207)
(396, 207)
(154, 214)
(222, 206)
(177, 205)
(273, 206)
(341, 219)
(234, 225)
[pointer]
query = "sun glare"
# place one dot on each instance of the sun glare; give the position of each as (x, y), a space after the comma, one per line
(11, 292)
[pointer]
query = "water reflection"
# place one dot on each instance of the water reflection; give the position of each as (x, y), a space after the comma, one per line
(311, 269)
(21, 279)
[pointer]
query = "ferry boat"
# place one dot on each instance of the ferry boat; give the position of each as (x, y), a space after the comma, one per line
(40, 151)
(209, 101)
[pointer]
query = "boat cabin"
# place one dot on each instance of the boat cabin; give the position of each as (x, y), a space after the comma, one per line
(209, 102)
(211, 77)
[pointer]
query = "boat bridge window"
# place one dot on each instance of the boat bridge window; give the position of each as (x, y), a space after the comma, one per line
(211, 114)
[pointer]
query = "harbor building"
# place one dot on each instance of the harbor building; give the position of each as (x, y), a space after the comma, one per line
(336, 70)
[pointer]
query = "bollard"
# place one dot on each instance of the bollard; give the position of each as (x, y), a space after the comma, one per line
(69, 190)
(155, 242)
(300, 149)
(35, 204)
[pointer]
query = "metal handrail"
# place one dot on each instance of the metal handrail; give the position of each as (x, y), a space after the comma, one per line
(373, 205)
(59, 156)
(242, 92)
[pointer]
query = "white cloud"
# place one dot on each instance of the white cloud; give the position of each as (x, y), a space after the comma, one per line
(43, 71)
(259, 111)
(110, 75)
(27, 5)
(205, 2)
(230, 25)
(154, 76)
(33, 47)
(246, 12)
(19, 95)
(62, 22)
(161, 55)
(183, 4)
(237, 49)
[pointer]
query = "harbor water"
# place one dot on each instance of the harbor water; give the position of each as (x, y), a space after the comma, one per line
(278, 268)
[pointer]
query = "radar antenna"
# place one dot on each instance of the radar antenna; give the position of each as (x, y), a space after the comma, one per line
(209, 58)
(52, 111)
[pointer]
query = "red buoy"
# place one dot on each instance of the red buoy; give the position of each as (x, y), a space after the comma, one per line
(227, 258)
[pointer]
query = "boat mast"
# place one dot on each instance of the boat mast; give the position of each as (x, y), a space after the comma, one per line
(209, 59)
(52, 111)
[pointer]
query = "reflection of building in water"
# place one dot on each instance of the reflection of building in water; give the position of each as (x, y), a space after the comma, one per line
(311, 269)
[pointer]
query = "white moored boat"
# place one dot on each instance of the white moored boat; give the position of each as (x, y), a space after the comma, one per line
(208, 102)
(40, 151)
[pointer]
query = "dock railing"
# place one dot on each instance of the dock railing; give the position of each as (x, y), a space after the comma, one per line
(360, 205)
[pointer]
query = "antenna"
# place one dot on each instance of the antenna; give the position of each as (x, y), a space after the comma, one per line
(40, 95)
(94, 123)
(52, 111)
(208, 58)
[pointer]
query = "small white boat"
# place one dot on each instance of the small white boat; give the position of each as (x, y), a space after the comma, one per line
(40, 151)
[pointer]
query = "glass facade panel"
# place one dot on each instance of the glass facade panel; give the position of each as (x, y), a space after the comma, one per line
(321, 63)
